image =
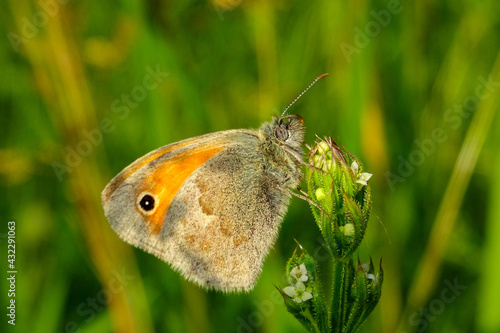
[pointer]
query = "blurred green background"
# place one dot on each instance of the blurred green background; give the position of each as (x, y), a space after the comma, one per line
(413, 91)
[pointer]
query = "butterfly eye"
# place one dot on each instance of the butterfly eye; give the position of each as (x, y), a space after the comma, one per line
(147, 203)
(281, 133)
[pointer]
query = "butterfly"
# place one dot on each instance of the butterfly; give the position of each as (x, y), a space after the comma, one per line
(211, 206)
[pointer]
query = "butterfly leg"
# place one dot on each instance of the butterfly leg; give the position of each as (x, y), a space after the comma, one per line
(306, 198)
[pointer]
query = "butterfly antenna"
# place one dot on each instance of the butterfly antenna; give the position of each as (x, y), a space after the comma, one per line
(302, 93)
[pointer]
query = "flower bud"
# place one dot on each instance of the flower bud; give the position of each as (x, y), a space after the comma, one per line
(365, 292)
(303, 297)
(339, 188)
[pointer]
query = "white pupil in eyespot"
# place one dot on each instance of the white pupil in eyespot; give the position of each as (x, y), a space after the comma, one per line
(147, 202)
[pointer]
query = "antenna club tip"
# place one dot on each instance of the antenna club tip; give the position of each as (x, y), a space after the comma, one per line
(322, 76)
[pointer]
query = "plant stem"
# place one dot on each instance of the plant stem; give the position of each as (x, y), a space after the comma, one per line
(343, 274)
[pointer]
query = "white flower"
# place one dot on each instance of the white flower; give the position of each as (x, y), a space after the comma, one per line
(298, 292)
(355, 167)
(298, 274)
(361, 178)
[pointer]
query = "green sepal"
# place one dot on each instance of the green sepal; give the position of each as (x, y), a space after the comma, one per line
(374, 292)
(366, 292)
(356, 217)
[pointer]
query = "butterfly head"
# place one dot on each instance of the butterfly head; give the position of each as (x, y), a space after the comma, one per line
(284, 135)
(289, 130)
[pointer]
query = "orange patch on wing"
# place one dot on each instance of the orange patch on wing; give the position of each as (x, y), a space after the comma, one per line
(167, 179)
(125, 173)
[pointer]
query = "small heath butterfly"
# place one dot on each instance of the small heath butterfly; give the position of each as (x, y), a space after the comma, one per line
(211, 206)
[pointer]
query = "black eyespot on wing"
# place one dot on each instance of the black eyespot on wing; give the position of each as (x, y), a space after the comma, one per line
(147, 203)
